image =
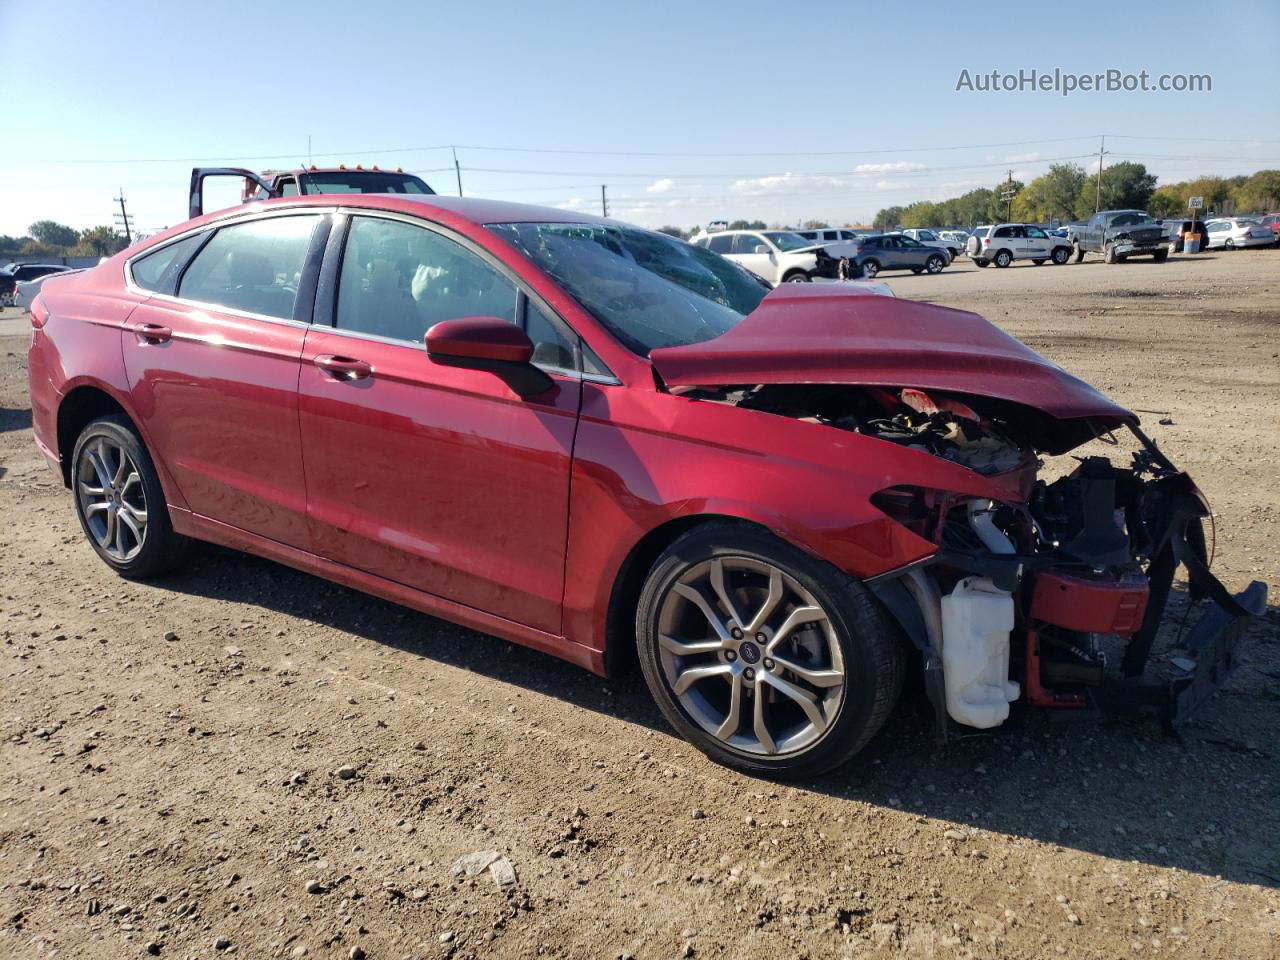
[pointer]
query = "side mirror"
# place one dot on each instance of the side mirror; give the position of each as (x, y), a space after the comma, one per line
(492, 345)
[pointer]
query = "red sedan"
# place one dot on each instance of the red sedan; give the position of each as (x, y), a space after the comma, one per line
(608, 444)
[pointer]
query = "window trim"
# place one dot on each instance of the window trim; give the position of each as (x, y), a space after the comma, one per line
(325, 311)
(325, 213)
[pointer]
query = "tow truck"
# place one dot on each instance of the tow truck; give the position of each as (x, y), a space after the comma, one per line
(305, 181)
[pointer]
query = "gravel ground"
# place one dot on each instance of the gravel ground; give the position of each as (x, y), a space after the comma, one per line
(247, 761)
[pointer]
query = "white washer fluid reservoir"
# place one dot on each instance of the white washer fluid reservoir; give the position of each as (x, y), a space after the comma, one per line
(977, 618)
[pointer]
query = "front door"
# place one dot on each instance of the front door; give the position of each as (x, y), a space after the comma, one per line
(436, 477)
(747, 249)
(212, 361)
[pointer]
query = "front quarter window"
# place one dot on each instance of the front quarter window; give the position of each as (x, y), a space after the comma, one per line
(647, 289)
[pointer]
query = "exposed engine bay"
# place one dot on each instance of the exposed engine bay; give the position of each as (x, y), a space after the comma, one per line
(1053, 596)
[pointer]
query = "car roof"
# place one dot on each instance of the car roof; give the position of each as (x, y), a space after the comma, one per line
(474, 209)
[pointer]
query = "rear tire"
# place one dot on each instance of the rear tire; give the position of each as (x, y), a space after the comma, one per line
(796, 276)
(934, 264)
(1160, 256)
(1038, 261)
(1228, 244)
(849, 654)
(870, 268)
(982, 263)
(1003, 259)
(120, 503)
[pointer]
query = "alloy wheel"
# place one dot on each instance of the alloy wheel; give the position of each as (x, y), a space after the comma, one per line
(750, 656)
(112, 498)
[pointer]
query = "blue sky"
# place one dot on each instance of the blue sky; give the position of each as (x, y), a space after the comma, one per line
(855, 103)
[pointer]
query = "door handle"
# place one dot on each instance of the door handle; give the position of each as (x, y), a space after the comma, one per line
(153, 332)
(343, 368)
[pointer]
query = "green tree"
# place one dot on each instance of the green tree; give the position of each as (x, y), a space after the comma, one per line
(888, 218)
(920, 214)
(51, 234)
(98, 241)
(816, 225)
(672, 232)
(1167, 201)
(1125, 186)
(998, 208)
(1052, 195)
(1260, 193)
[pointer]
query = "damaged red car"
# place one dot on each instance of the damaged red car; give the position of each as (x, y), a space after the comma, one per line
(615, 447)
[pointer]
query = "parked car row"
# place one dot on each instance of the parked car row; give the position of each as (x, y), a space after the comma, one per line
(783, 256)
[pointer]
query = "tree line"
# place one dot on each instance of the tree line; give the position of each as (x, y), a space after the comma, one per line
(46, 238)
(1067, 192)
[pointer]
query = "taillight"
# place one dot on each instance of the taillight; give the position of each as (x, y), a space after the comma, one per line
(39, 313)
(986, 241)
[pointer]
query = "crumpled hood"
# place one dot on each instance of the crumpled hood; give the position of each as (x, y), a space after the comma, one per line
(831, 333)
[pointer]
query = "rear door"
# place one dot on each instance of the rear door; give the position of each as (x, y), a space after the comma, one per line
(212, 361)
(435, 477)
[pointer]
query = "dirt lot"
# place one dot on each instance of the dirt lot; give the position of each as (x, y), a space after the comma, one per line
(169, 758)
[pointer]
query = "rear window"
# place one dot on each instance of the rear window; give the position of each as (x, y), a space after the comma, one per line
(366, 181)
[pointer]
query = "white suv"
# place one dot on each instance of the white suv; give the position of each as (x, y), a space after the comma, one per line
(1004, 243)
(777, 256)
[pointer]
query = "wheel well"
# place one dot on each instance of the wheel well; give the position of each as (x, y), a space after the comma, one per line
(79, 408)
(620, 648)
(793, 272)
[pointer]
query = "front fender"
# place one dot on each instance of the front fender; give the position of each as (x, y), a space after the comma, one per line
(645, 460)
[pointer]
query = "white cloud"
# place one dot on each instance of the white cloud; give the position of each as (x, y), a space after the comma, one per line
(574, 203)
(901, 166)
(661, 186)
(762, 186)
(894, 184)
(1023, 157)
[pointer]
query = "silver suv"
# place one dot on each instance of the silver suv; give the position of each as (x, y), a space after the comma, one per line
(1004, 243)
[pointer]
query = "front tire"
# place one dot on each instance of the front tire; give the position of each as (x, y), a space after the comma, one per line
(1060, 256)
(120, 503)
(767, 659)
(1038, 261)
(1109, 253)
(1079, 250)
(982, 263)
(796, 276)
(870, 268)
(1160, 256)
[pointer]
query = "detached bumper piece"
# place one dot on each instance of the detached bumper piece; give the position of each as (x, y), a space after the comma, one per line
(1212, 644)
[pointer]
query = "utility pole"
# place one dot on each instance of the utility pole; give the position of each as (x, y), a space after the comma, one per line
(1097, 196)
(1007, 196)
(123, 219)
(308, 149)
(457, 169)
(604, 202)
